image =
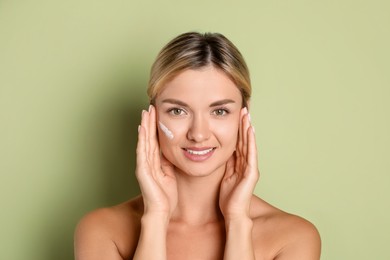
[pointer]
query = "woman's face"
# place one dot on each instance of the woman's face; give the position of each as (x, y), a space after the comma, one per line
(198, 115)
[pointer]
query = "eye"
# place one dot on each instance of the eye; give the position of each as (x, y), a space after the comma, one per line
(176, 111)
(220, 112)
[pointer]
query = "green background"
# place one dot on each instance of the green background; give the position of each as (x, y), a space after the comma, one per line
(73, 76)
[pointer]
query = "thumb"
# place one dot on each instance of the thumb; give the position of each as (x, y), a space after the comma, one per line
(230, 165)
(166, 166)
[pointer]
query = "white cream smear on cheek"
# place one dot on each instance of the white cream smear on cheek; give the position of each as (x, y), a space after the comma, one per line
(168, 133)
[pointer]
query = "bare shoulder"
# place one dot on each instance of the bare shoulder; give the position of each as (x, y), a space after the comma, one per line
(109, 233)
(281, 235)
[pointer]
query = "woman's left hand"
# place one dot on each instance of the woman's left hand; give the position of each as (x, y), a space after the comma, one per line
(241, 173)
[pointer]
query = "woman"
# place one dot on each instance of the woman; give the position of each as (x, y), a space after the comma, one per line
(197, 170)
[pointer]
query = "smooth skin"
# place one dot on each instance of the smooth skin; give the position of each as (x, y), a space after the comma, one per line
(195, 207)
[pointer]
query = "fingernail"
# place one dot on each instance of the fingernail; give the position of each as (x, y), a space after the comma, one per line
(139, 126)
(150, 107)
(249, 117)
(245, 110)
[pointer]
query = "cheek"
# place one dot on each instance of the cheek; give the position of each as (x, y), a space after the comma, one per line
(169, 146)
(170, 131)
(165, 142)
(227, 132)
(165, 130)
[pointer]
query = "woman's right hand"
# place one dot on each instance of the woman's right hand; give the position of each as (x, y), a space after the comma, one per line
(154, 172)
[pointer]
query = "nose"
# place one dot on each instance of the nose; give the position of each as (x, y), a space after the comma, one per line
(199, 130)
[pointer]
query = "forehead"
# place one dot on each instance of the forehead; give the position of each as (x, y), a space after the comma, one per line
(205, 85)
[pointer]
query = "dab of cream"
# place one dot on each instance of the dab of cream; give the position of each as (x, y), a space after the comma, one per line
(165, 130)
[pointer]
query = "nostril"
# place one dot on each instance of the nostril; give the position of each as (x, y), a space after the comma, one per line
(199, 129)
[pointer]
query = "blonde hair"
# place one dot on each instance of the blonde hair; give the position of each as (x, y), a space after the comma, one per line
(194, 50)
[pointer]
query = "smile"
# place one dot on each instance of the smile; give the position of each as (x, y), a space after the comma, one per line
(202, 152)
(198, 154)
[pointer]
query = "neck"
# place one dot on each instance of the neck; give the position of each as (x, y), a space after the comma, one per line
(198, 202)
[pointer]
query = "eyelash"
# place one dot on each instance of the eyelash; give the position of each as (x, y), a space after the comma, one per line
(225, 111)
(216, 112)
(175, 109)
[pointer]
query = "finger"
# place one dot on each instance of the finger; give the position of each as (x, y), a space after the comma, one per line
(252, 153)
(241, 155)
(145, 126)
(245, 127)
(164, 161)
(154, 147)
(151, 146)
(140, 150)
(142, 137)
(240, 133)
(167, 167)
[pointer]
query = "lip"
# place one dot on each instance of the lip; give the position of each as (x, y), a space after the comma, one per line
(198, 154)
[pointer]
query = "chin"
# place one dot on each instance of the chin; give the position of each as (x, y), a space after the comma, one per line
(201, 169)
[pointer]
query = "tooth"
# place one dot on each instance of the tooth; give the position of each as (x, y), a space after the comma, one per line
(200, 152)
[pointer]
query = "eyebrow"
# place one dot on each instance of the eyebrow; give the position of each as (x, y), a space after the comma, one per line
(222, 102)
(175, 102)
(214, 104)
